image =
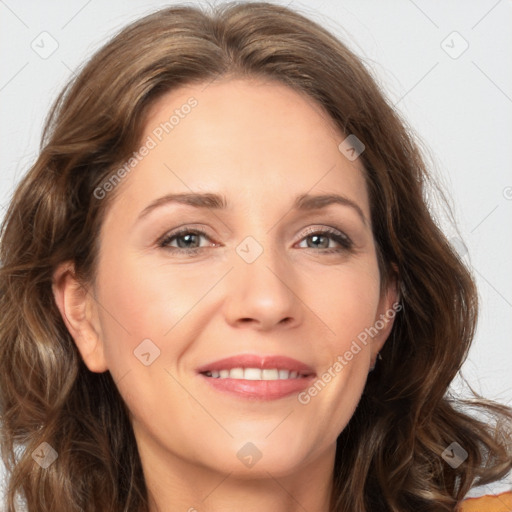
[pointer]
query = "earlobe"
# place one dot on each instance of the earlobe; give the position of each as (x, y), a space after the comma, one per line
(79, 313)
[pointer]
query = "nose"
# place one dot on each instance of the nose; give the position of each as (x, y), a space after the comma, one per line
(264, 293)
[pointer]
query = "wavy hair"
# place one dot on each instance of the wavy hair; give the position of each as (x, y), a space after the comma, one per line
(388, 457)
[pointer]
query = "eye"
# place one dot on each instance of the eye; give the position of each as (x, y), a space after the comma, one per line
(187, 240)
(320, 239)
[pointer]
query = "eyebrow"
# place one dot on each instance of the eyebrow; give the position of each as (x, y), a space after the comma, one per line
(303, 202)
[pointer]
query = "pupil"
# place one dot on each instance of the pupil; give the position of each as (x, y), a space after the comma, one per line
(187, 237)
(316, 237)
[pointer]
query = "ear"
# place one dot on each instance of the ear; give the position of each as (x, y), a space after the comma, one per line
(388, 308)
(79, 311)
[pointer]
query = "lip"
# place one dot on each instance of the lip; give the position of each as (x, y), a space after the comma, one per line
(258, 361)
(263, 390)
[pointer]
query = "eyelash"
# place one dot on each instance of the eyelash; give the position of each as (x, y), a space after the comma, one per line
(340, 238)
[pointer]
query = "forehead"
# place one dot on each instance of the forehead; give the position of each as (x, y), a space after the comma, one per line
(252, 141)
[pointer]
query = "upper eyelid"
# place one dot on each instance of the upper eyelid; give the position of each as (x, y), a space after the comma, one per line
(326, 229)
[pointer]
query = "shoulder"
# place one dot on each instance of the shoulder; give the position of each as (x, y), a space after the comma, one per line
(488, 503)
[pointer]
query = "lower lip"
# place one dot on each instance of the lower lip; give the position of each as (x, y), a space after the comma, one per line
(259, 389)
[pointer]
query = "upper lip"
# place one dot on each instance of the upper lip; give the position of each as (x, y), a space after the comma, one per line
(258, 361)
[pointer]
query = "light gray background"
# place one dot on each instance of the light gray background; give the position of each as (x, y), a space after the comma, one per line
(458, 105)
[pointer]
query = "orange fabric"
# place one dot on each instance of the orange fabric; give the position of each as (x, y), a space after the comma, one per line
(488, 503)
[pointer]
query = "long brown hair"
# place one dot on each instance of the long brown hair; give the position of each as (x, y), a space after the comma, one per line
(389, 457)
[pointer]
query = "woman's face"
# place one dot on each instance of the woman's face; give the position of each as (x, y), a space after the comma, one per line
(258, 276)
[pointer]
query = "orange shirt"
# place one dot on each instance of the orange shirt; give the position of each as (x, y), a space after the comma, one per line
(488, 503)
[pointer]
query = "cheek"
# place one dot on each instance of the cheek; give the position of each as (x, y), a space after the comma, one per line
(149, 292)
(348, 297)
(140, 307)
(347, 302)
(138, 302)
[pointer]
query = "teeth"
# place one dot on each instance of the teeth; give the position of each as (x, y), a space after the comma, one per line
(254, 374)
(267, 374)
(235, 373)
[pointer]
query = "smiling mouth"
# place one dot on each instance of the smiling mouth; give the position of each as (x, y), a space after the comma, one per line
(268, 374)
(256, 383)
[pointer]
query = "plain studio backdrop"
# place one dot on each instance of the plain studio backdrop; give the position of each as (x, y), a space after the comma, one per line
(444, 65)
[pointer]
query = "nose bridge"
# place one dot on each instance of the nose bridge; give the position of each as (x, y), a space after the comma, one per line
(261, 260)
(262, 281)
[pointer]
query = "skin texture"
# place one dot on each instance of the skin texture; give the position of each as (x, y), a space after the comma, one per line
(259, 144)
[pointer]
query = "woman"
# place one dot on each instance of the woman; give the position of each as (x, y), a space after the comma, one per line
(256, 368)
